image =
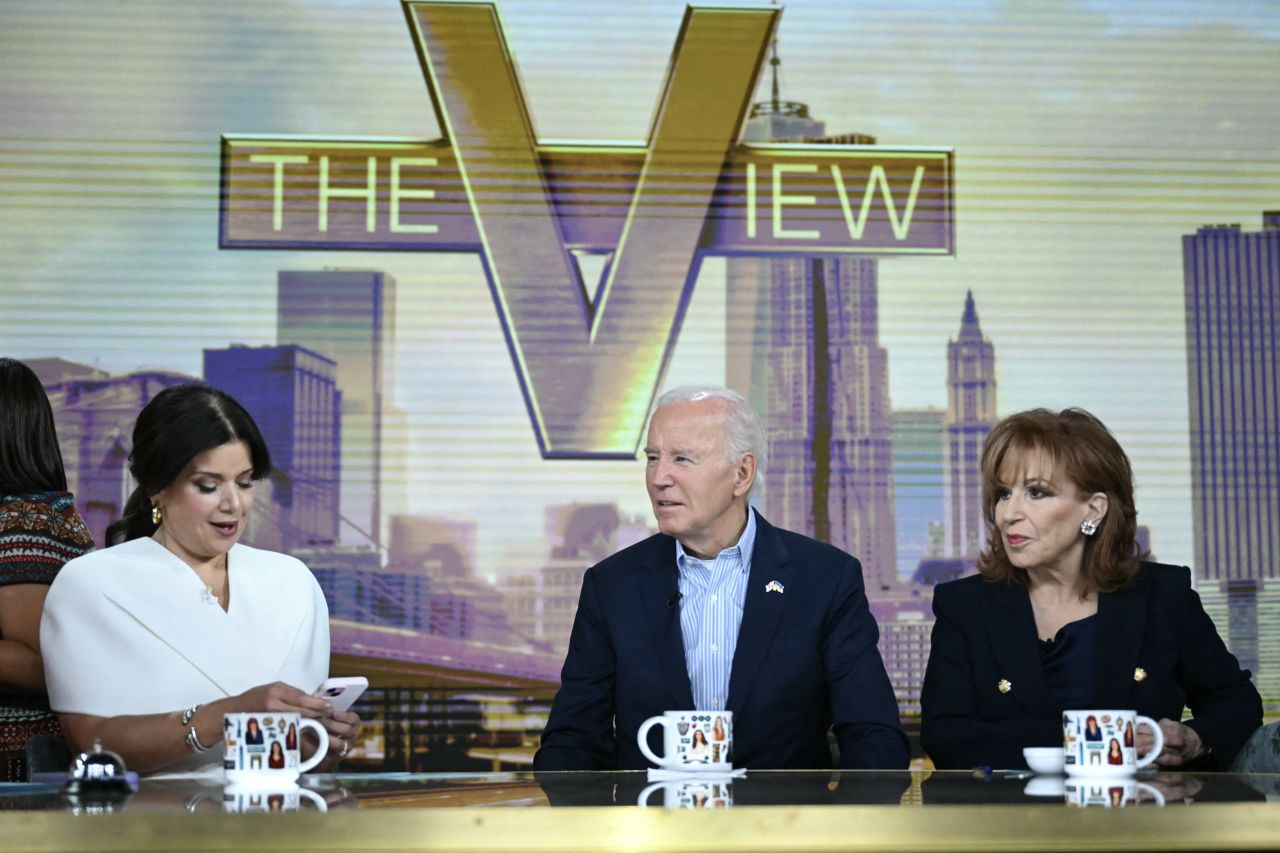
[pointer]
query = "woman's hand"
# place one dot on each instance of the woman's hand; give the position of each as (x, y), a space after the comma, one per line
(281, 697)
(1181, 744)
(343, 728)
(1176, 787)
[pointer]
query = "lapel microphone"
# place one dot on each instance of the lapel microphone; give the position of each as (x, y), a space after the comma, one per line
(673, 600)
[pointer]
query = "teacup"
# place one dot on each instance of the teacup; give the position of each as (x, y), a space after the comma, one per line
(702, 792)
(1108, 793)
(1046, 760)
(699, 741)
(262, 748)
(1101, 742)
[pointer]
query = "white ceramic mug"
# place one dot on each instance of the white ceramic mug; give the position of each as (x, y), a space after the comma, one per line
(263, 748)
(1108, 793)
(703, 792)
(1101, 742)
(692, 740)
(243, 799)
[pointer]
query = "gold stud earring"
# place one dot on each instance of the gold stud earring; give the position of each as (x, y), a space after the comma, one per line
(1004, 686)
(156, 515)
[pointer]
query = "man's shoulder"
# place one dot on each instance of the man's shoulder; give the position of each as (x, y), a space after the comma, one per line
(799, 546)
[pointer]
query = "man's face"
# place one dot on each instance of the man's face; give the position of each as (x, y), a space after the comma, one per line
(698, 493)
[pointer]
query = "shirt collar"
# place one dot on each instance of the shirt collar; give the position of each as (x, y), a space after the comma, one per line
(746, 543)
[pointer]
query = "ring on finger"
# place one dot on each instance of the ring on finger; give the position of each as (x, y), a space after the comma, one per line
(346, 747)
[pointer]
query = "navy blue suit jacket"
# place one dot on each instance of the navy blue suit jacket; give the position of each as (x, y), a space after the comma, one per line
(986, 633)
(806, 660)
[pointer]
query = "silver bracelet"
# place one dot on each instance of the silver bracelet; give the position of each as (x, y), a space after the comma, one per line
(193, 741)
(188, 714)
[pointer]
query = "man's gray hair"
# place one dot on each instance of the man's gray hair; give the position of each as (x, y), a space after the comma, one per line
(744, 432)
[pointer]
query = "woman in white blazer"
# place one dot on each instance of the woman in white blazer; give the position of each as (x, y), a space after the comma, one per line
(149, 642)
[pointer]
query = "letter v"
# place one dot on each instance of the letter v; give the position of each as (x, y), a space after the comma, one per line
(589, 373)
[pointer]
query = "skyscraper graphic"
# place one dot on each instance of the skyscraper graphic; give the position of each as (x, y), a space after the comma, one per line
(95, 417)
(1266, 665)
(827, 415)
(541, 605)
(918, 503)
(438, 547)
(348, 316)
(971, 412)
(1232, 290)
(802, 342)
(292, 395)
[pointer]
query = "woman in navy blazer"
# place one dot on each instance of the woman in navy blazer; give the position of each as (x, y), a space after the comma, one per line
(1064, 615)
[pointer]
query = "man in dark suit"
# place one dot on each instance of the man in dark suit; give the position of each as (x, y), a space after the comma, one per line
(721, 611)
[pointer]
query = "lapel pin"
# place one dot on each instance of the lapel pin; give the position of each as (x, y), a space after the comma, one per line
(1139, 674)
(773, 586)
(1003, 685)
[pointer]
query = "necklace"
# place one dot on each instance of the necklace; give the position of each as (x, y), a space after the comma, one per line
(208, 595)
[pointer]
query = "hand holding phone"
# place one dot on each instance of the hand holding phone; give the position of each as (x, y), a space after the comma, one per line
(342, 692)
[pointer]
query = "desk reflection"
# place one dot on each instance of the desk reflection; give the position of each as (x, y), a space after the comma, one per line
(1025, 788)
(760, 788)
(819, 811)
(623, 789)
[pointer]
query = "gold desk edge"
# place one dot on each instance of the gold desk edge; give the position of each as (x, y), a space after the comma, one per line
(1226, 826)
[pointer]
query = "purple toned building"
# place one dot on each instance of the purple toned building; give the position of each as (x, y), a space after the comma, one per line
(971, 413)
(348, 316)
(802, 344)
(1232, 289)
(366, 597)
(55, 371)
(292, 395)
(441, 548)
(541, 605)
(95, 418)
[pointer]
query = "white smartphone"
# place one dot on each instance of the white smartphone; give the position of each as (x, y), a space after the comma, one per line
(342, 692)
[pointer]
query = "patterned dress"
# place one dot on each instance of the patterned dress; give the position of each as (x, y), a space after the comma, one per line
(38, 533)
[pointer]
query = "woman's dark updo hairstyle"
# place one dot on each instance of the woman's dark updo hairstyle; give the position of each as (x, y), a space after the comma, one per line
(178, 425)
(30, 460)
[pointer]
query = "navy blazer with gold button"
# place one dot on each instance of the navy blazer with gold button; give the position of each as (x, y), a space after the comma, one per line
(1157, 651)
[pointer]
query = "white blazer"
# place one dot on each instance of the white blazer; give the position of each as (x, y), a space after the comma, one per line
(128, 630)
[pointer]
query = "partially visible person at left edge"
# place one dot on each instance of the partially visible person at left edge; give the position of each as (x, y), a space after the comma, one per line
(1066, 616)
(722, 611)
(39, 531)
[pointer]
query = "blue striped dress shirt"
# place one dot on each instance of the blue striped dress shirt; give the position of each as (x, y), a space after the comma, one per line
(712, 595)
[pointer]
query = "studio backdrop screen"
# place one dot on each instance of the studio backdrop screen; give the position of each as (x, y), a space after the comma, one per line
(448, 256)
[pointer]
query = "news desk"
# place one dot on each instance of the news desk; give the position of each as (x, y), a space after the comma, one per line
(774, 811)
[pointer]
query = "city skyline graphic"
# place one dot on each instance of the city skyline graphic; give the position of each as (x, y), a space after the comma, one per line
(427, 580)
(1113, 250)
